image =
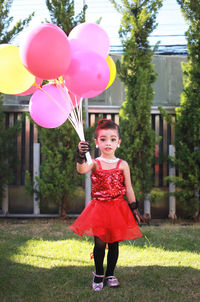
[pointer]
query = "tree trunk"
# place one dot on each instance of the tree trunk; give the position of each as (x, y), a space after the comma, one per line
(5, 201)
(63, 211)
(197, 214)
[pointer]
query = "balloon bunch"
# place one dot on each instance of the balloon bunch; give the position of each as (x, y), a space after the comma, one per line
(76, 67)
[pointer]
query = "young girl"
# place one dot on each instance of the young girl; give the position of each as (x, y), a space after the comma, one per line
(108, 217)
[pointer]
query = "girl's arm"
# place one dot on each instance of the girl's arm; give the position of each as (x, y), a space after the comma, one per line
(84, 167)
(130, 193)
(127, 179)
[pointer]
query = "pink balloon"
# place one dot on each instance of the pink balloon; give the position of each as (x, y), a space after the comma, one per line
(47, 112)
(75, 99)
(33, 88)
(93, 93)
(46, 52)
(91, 37)
(87, 75)
(76, 45)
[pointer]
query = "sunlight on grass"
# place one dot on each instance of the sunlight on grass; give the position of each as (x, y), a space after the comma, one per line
(157, 256)
(42, 260)
(48, 254)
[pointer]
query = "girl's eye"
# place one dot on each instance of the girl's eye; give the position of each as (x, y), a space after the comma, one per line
(113, 139)
(102, 140)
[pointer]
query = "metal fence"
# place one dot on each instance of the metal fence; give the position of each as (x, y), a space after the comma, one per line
(29, 135)
(23, 142)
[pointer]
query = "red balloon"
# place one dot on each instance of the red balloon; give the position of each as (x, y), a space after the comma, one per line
(46, 52)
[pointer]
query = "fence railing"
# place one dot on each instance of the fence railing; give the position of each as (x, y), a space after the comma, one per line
(24, 141)
(29, 135)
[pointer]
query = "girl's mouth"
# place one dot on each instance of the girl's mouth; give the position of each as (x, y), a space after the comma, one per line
(108, 149)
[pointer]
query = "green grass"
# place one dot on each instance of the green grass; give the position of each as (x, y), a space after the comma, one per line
(42, 260)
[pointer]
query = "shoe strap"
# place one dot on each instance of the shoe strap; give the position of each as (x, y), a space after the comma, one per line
(111, 277)
(98, 276)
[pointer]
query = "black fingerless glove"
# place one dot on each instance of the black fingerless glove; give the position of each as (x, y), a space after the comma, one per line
(82, 149)
(80, 158)
(134, 205)
(134, 209)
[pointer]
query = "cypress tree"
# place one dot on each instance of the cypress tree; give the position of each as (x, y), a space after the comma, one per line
(62, 13)
(137, 73)
(7, 34)
(187, 125)
(57, 171)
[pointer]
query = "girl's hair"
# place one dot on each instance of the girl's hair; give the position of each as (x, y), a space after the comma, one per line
(106, 124)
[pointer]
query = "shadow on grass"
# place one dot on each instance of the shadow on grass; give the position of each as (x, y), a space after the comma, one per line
(20, 282)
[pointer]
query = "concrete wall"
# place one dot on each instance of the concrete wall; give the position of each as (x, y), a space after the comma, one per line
(169, 83)
(167, 87)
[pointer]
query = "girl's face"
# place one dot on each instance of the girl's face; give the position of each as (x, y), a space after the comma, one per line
(107, 141)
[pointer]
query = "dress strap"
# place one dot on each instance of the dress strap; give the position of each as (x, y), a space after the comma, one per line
(99, 164)
(118, 163)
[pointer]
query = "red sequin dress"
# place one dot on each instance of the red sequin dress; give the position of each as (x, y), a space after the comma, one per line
(108, 215)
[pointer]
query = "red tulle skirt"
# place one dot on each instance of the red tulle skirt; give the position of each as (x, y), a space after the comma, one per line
(109, 220)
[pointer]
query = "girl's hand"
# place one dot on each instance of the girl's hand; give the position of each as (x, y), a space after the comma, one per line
(138, 217)
(83, 148)
(134, 209)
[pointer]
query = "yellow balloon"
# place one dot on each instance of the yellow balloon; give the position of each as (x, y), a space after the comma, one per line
(112, 68)
(14, 77)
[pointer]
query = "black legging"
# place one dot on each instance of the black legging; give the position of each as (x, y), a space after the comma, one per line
(99, 253)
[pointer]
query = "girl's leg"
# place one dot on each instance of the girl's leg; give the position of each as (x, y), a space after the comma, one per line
(99, 253)
(113, 252)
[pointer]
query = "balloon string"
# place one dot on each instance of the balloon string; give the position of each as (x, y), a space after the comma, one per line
(64, 92)
(75, 116)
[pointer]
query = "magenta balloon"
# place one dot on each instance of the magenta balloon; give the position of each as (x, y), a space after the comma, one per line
(48, 113)
(46, 51)
(33, 88)
(87, 75)
(92, 38)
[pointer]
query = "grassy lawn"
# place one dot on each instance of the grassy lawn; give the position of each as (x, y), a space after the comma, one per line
(42, 260)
